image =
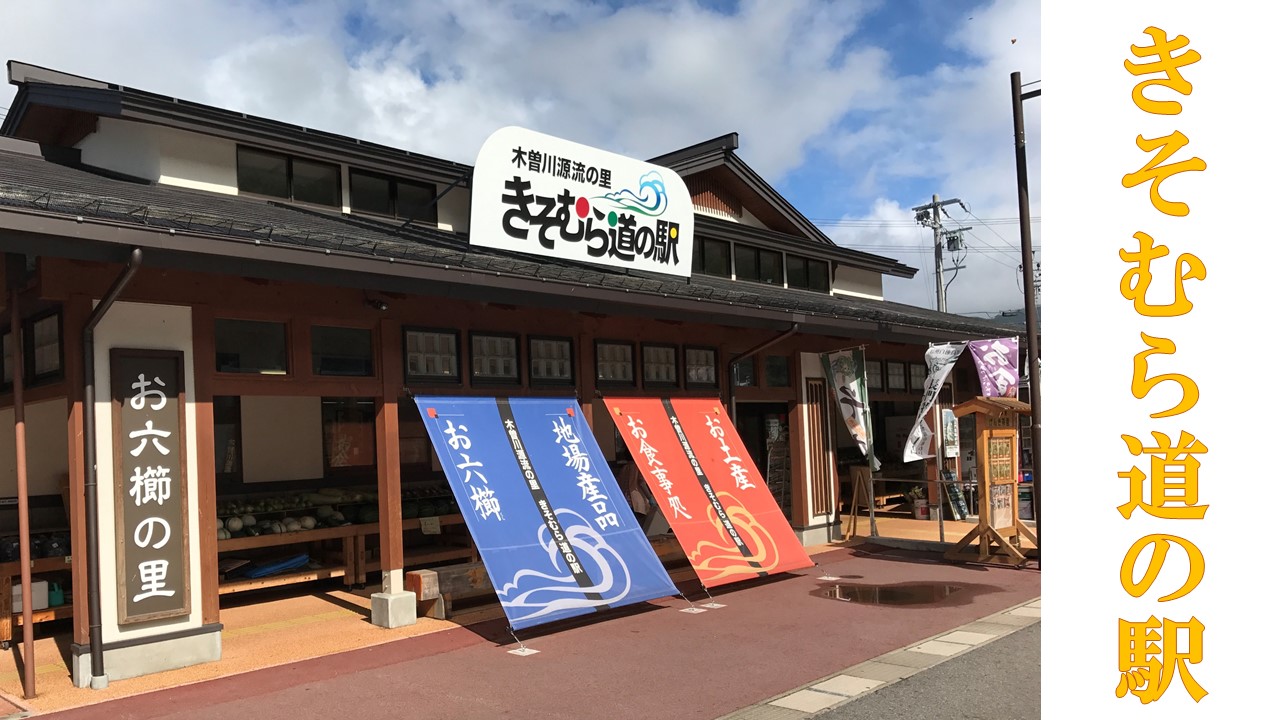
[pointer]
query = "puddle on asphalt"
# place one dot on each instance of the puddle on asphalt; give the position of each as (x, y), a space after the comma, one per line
(920, 594)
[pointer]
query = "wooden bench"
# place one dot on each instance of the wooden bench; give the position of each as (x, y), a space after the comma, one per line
(436, 589)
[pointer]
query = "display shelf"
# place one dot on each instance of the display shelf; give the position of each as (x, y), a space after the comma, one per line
(251, 542)
(288, 578)
(38, 565)
(38, 616)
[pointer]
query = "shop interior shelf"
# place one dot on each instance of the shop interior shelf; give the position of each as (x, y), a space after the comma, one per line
(428, 557)
(288, 538)
(38, 565)
(38, 616)
(323, 573)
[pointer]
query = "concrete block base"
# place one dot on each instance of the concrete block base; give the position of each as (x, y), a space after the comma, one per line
(394, 609)
(121, 661)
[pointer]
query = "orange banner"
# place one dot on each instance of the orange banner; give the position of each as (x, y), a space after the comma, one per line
(709, 490)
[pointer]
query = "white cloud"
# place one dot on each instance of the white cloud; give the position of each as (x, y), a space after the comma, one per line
(793, 78)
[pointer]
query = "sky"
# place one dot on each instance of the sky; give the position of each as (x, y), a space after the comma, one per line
(855, 110)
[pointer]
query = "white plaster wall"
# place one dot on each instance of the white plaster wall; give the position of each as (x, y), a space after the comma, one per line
(152, 327)
(164, 155)
(858, 282)
(453, 211)
(46, 449)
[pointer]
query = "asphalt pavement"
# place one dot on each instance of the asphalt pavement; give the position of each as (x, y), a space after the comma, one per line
(997, 681)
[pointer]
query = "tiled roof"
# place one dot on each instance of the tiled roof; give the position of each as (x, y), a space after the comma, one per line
(32, 183)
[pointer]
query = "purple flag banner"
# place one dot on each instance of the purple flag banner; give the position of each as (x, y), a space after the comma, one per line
(997, 362)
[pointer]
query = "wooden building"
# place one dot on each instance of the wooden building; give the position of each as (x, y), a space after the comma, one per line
(301, 286)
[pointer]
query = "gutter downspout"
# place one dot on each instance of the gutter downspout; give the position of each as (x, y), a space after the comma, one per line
(98, 679)
(733, 403)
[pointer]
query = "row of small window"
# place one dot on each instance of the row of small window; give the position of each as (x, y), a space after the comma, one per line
(273, 174)
(771, 267)
(42, 348)
(893, 375)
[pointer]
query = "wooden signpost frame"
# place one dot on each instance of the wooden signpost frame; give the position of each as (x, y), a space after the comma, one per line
(996, 419)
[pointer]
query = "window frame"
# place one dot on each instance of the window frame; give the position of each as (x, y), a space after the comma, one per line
(911, 377)
(675, 361)
(889, 365)
(288, 348)
(29, 348)
(373, 351)
(790, 371)
(394, 199)
(602, 382)
(559, 382)
(472, 337)
(699, 260)
(875, 369)
(412, 379)
(749, 363)
(715, 367)
(757, 253)
(288, 176)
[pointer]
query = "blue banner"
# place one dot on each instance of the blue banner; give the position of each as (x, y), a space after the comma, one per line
(553, 528)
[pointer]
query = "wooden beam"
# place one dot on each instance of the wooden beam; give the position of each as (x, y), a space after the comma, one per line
(206, 476)
(75, 313)
(391, 534)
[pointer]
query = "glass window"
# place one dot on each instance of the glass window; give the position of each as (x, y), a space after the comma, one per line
(431, 355)
(806, 274)
(550, 360)
(875, 377)
(711, 257)
(757, 265)
(777, 371)
(415, 201)
(370, 193)
(895, 375)
(660, 365)
(615, 363)
(744, 372)
(251, 346)
(317, 183)
(919, 373)
(341, 351)
(797, 272)
(349, 434)
(819, 276)
(46, 346)
(263, 173)
(770, 267)
(746, 262)
(700, 366)
(494, 358)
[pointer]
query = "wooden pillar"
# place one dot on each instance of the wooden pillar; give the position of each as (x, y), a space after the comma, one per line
(206, 480)
(801, 515)
(75, 313)
(390, 526)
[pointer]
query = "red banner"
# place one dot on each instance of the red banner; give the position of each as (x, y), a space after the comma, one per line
(710, 491)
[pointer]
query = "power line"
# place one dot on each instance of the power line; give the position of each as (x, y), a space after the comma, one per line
(843, 222)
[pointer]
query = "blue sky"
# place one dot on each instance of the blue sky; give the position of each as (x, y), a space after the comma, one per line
(856, 110)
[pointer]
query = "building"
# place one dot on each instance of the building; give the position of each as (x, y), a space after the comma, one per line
(298, 287)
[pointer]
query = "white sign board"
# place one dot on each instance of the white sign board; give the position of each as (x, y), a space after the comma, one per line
(541, 195)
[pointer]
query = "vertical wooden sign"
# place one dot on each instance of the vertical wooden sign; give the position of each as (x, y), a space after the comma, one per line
(148, 401)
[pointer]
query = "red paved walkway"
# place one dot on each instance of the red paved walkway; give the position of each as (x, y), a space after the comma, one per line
(654, 662)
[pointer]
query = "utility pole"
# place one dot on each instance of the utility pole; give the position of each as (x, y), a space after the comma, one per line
(934, 220)
(1030, 284)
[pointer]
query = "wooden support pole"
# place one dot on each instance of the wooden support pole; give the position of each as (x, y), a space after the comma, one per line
(24, 510)
(390, 526)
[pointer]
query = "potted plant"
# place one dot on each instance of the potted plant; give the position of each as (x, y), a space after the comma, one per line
(919, 502)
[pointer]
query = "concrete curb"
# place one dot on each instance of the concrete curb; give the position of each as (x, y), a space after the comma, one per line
(873, 675)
